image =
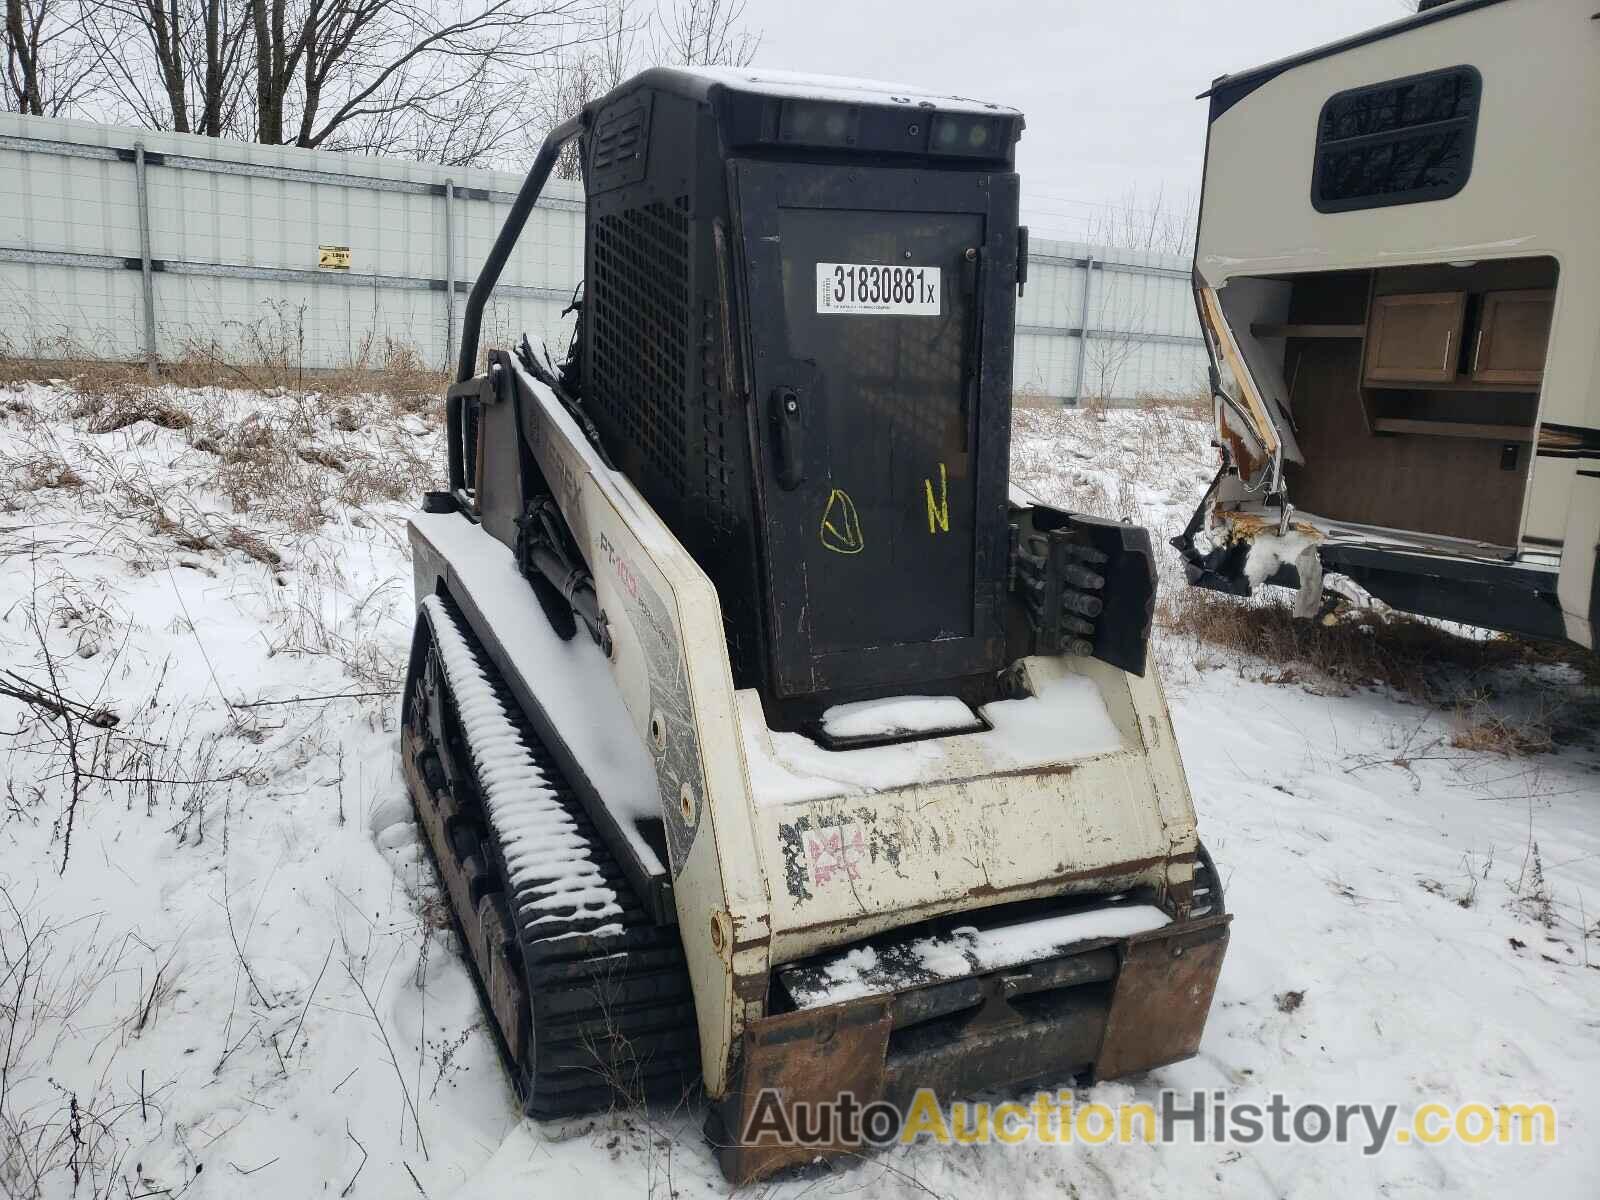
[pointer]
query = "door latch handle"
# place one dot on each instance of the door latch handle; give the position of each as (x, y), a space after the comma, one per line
(788, 438)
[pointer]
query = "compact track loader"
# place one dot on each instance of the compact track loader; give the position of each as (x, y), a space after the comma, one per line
(762, 735)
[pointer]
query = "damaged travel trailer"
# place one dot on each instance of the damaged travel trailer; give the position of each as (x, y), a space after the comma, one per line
(1397, 271)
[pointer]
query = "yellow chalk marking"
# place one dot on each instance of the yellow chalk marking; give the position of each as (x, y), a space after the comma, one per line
(841, 528)
(938, 511)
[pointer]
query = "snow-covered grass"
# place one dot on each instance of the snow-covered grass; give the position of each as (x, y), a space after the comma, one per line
(236, 978)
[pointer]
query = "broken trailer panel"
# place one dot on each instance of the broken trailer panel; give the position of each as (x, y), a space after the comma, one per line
(735, 654)
(1398, 275)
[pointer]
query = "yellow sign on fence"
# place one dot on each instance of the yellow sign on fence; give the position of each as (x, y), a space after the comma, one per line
(336, 258)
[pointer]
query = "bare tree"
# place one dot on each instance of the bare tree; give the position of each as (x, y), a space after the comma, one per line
(49, 68)
(1135, 224)
(477, 119)
(566, 87)
(686, 33)
(613, 52)
(709, 33)
(171, 64)
(389, 75)
(590, 71)
(1108, 353)
(451, 81)
(1114, 336)
(442, 80)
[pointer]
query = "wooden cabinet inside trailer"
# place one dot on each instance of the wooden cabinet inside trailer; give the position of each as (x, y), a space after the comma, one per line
(1414, 393)
(1512, 337)
(1414, 337)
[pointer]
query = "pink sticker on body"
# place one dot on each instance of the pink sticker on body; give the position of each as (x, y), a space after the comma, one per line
(834, 852)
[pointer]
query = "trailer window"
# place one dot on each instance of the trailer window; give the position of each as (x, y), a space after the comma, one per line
(1400, 142)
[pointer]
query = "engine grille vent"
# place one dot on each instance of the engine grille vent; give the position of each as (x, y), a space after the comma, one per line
(640, 298)
(617, 145)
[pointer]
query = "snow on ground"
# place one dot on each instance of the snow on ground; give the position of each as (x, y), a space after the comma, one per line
(236, 978)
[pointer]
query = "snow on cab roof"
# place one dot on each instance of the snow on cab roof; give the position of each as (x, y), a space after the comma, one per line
(841, 88)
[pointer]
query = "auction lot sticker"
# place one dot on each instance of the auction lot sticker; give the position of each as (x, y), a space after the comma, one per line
(899, 291)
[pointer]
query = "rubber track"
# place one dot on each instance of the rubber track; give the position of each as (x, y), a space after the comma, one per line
(609, 996)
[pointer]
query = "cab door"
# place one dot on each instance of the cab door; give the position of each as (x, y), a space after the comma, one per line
(881, 428)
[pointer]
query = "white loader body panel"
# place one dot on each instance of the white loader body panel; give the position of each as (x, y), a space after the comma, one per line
(929, 827)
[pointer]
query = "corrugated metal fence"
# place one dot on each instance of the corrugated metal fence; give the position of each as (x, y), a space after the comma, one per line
(115, 241)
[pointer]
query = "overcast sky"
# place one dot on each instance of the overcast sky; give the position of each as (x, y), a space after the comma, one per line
(1108, 86)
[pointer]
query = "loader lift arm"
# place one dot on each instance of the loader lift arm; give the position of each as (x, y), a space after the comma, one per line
(546, 551)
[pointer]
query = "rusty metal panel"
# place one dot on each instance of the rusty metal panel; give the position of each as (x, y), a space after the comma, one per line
(1002, 1049)
(802, 1058)
(1163, 993)
(1152, 1013)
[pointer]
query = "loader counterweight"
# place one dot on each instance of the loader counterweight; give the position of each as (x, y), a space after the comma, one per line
(740, 666)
